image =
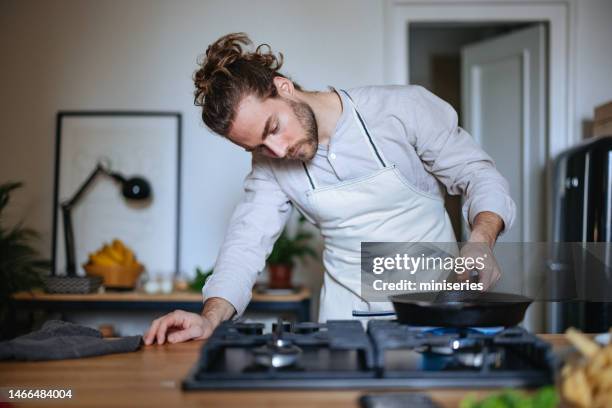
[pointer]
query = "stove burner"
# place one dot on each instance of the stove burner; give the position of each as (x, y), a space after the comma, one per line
(278, 352)
(455, 346)
(459, 348)
(464, 359)
(462, 330)
(448, 341)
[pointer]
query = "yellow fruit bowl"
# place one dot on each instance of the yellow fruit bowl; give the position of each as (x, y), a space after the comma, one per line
(116, 276)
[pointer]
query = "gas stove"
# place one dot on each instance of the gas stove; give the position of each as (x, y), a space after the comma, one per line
(341, 354)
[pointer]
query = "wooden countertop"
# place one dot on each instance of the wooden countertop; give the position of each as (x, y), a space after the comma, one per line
(152, 377)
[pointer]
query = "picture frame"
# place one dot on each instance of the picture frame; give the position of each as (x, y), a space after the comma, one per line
(133, 143)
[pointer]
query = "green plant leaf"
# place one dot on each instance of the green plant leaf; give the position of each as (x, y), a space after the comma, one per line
(5, 192)
(21, 267)
(200, 279)
(287, 250)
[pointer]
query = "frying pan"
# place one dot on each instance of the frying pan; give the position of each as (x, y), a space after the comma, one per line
(460, 308)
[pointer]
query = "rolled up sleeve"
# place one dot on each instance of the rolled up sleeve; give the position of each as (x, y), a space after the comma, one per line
(453, 156)
(254, 226)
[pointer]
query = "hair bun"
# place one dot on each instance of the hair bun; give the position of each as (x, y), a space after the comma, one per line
(224, 57)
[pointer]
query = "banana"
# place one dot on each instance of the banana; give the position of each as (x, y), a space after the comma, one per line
(118, 246)
(117, 253)
(102, 259)
(129, 259)
(113, 253)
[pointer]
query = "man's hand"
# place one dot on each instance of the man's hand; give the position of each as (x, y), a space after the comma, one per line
(180, 326)
(485, 229)
(485, 264)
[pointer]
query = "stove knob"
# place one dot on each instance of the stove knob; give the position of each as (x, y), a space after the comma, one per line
(286, 326)
(249, 328)
(307, 327)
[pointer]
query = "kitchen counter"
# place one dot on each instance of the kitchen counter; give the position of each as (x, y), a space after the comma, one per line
(152, 377)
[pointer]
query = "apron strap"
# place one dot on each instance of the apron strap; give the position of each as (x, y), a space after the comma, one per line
(364, 129)
(310, 178)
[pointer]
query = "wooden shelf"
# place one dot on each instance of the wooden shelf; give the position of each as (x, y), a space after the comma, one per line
(297, 303)
(300, 295)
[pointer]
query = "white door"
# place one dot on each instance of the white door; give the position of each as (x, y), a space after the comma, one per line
(504, 108)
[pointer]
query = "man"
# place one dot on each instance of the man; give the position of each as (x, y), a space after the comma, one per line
(367, 164)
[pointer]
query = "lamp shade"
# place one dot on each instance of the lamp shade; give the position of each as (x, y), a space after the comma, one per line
(136, 188)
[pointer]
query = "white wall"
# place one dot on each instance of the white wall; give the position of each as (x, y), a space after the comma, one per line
(140, 55)
(593, 58)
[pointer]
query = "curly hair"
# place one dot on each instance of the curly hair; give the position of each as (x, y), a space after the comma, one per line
(227, 73)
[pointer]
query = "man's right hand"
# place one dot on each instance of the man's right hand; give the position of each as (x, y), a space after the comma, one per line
(180, 325)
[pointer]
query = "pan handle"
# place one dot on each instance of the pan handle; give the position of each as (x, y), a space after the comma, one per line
(474, 276)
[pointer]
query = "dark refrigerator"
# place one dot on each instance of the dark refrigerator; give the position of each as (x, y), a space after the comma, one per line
(581, 201)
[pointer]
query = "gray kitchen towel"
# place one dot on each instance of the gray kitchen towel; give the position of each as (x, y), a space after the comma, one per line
(59, 340)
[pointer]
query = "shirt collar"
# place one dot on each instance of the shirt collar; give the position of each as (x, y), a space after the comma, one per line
(343, 120)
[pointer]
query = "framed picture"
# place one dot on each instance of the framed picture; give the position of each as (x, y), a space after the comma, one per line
(143, 144)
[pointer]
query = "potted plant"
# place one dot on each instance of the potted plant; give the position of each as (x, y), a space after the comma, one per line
(200, 279)
(284, 253)
(21, 268)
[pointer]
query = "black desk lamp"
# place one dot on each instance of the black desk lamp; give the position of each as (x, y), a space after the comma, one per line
(135, 189)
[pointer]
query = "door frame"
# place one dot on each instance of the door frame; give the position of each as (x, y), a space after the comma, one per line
(559, 14)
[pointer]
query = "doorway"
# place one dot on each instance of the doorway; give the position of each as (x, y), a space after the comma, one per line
(556, 17)
(494, 76)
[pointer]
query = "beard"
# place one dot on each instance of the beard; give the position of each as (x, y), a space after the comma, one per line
(307, 147)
